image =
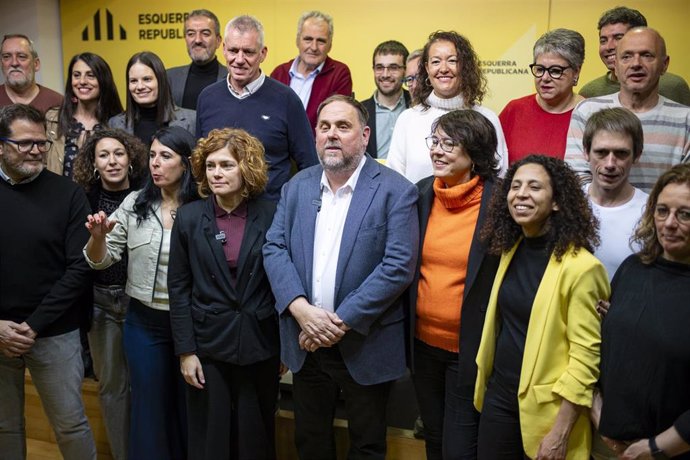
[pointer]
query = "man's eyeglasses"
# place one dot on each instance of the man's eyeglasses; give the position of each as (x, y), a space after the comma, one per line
(380, 68)
(26, 146)
(556, 71)
(407, 81)
(447, 144)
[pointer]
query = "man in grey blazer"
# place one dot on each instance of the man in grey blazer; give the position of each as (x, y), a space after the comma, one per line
(340, 252)
(202, 35)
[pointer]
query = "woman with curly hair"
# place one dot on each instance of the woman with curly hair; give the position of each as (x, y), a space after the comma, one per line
(645, 351)
(91, 98)
(109, 166)
(222, 311)
(449, 78)
(538, 359)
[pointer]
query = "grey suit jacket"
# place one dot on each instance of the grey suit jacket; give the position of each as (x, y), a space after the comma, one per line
(177, 76)
(378, 255)
(184, 118)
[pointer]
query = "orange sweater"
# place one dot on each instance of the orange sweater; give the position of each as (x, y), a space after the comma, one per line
(445, 252)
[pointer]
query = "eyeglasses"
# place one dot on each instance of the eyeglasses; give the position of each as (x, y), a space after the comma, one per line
(26, 146)
(555, 71)
(447, 144)
(681, 215)
(380, 68)
(407, 81)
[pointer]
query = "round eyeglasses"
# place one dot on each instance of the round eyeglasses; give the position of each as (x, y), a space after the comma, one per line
(555, 71)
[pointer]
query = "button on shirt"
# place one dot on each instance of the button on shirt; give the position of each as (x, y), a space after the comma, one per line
(302, 85)
(385, 122)
(330, 223)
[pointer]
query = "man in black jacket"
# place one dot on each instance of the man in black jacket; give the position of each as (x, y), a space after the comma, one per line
(42, 278)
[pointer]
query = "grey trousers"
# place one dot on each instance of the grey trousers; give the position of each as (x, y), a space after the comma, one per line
(110, 365)
(57, 370)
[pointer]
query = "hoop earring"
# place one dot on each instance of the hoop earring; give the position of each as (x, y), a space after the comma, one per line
(472, 168)
(96, 174)
(131, 169)
(427, 81)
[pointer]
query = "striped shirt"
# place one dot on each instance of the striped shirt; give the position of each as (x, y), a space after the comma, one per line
(666, 138)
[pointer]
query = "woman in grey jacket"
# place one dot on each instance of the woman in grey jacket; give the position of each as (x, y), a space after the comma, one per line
(150, 103)
(142, 226)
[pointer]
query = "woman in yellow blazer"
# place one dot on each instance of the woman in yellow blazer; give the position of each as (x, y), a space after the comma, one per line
(538, 359)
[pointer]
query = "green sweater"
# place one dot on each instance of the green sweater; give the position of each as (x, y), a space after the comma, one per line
(671, 86)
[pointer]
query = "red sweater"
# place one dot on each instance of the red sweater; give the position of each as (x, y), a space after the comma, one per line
(334, 78)
(530, 129)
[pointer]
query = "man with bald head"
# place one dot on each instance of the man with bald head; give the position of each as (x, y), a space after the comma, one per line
(641, 60)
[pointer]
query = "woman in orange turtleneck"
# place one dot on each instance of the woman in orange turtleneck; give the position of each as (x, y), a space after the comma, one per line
(449, 295)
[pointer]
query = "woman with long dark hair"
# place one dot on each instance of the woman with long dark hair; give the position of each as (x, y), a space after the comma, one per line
(91, 99)
(141, 227)
(538, 359)
(150, 104)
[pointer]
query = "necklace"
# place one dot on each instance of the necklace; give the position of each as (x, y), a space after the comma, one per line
(173, 213)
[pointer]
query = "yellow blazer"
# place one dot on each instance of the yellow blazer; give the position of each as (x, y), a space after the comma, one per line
(561, 357)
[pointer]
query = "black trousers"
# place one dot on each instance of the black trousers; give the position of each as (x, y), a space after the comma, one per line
(316, 388)
(499, 428)
(233, 417)
(450, 420)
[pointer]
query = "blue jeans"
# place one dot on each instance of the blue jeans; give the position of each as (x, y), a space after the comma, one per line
(57, 371)
(110, 365)
(157, 429)
(450, 420)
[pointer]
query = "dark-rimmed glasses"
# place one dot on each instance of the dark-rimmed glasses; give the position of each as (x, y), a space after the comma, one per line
(555, 71)
(26, 146)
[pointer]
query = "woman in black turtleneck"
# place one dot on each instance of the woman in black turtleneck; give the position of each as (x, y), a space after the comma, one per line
(150, 103)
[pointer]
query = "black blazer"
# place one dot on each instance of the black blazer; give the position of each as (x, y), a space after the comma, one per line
(209, 316)
(370, 105)
(481, 270)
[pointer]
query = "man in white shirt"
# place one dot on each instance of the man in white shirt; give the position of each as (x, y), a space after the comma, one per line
(341, 251)
(613, 142)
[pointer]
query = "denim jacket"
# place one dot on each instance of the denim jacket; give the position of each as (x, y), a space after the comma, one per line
(143, 245)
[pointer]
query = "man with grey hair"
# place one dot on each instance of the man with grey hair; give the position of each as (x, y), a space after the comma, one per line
(265, 108)
(411, 70)
(20, 63)
(340, 252)
(613, 24)
(312, 74)
(202, 35)
(640, 61)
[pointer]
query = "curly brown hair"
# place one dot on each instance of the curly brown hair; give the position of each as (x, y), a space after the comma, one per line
(472, 80)
(645, 232)
(573, 225)
(137, 152)
(246, 149)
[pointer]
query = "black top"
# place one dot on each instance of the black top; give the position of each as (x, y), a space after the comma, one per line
(198, 78)
(515, 299)
(108, 202)
(645, 351)
(146, 127)
(43, 274)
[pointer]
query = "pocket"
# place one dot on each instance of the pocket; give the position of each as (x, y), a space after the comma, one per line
(139, 237)
(544, 393)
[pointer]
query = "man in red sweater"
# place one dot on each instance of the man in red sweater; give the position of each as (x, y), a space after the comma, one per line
(312, 74)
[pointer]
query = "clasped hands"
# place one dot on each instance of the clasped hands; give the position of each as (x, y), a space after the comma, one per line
(320, 328)
(15, 339)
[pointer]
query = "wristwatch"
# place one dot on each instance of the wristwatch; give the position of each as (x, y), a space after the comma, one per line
(657, 453)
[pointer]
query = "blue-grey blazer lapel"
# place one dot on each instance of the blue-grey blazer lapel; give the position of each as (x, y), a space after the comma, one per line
(364, 193)
(310, 199)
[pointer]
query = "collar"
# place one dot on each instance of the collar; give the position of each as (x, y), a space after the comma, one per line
(249, 89)
(11, 181)
(454, 103)
(293, 69)
(401, 100)
(239, 211)
(351, 182)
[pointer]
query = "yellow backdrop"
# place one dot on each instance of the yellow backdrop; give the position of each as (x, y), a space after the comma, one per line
(502, 32)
